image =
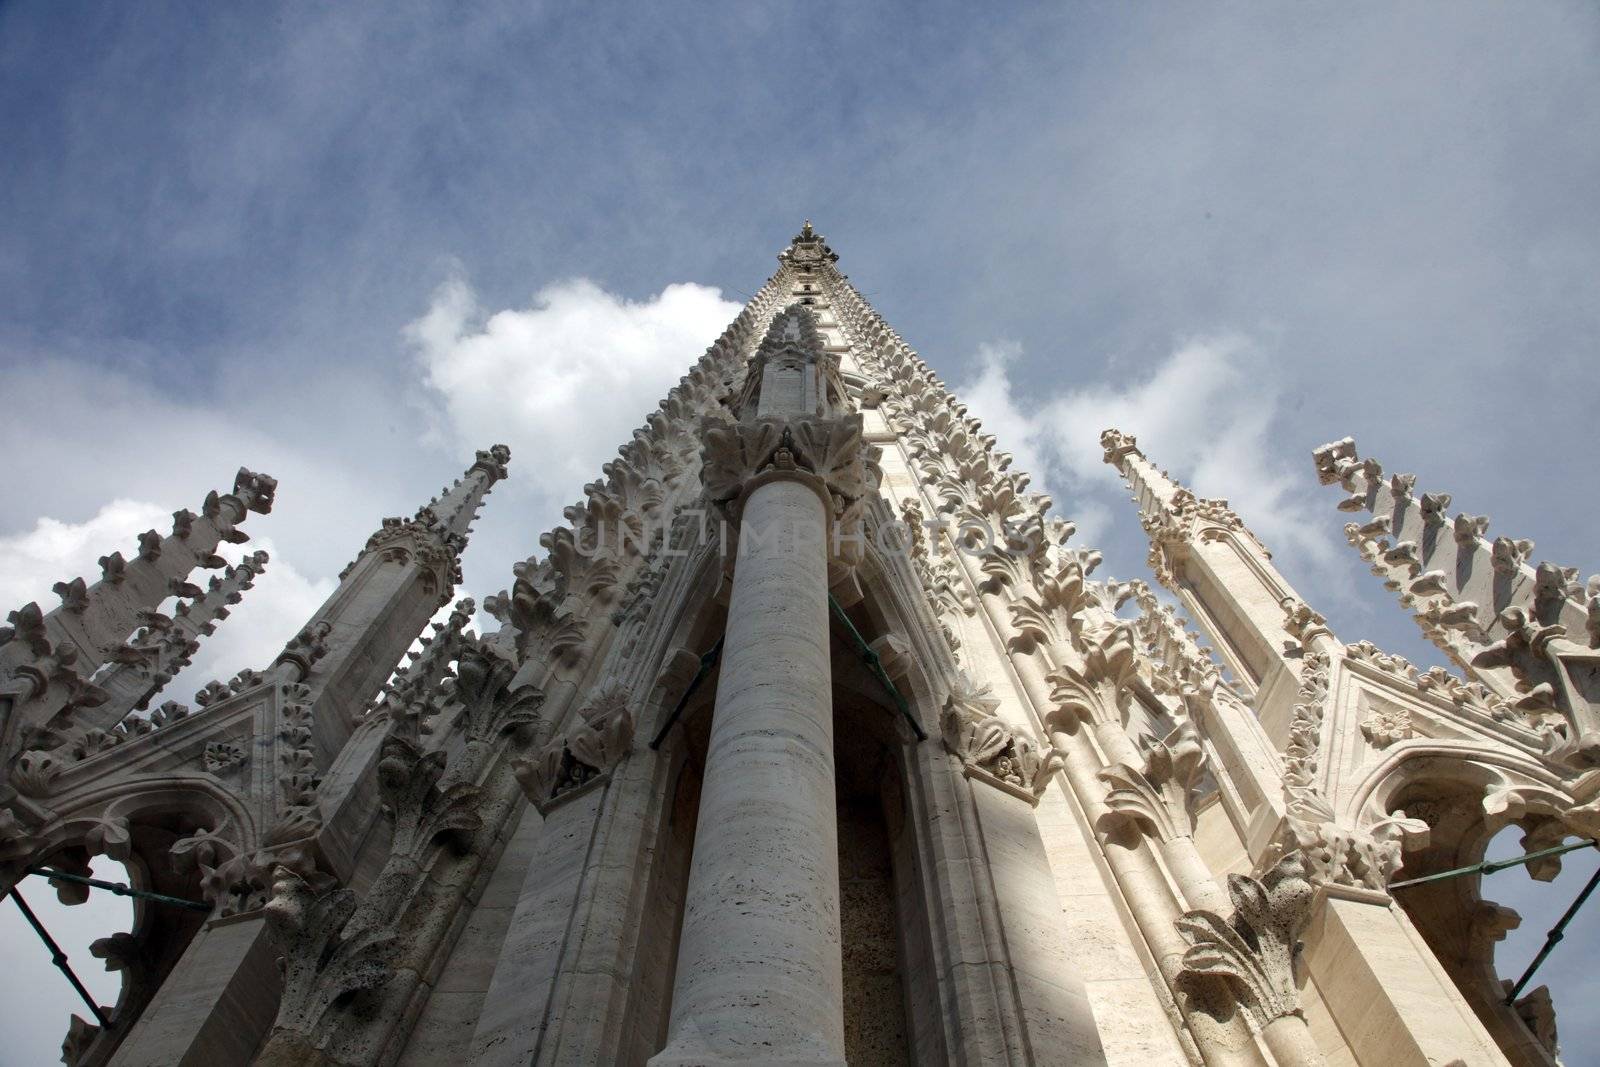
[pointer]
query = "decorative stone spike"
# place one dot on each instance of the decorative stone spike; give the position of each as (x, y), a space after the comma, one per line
(163, 646)
(1537, 635)
(97, 621)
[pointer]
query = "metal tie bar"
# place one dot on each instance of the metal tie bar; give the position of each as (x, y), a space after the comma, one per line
(120, 889)
(876, 666)
(707, 661)
(1491, 866)
(59, 958)
(1557, 932)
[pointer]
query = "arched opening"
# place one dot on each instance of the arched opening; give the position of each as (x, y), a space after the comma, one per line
(890, 992)
(36, 1001)
(1461, 925)
(139, 939)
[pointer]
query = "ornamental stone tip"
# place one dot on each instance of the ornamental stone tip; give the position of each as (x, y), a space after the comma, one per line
(492, 460)
(256, 491)
(1117, 444)
(1332, 458)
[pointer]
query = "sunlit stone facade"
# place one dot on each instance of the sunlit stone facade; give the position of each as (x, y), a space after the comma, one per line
(810, 738)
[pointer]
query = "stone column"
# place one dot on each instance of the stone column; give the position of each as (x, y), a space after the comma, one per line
(759, 977)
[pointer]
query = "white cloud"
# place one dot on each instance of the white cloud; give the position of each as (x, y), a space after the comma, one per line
(1206, 414)
(565, 380)
(55, 551)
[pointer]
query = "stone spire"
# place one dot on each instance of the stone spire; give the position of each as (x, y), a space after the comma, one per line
(407, 570)
(1529, 633)
(437, 534)
(1202, 551)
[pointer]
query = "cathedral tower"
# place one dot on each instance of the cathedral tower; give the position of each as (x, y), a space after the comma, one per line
(810, 738)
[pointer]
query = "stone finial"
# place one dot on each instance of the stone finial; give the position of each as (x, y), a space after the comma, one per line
(492, 461)
(1334, 459)
(1117, 445)
(808, 248)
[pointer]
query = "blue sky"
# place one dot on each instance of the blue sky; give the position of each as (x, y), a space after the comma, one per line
(347, 245)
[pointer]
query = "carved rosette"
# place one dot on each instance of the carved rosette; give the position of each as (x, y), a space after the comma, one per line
(582, 757)
(1385, 725)
(989, 749)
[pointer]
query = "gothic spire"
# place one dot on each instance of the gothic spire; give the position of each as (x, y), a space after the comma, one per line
(806, 249)
(1202, 551)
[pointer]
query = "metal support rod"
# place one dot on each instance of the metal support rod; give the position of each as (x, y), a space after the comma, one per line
(1491, 866)
(707, 661)
(1557, 932)
(119, 889)
(59, 958)
(876, 667)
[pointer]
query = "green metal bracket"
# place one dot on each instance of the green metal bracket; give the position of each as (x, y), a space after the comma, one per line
(1491, 866)
(1557, 932)
(870, 658)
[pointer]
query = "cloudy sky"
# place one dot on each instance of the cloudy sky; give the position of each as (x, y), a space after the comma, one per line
(346, 246)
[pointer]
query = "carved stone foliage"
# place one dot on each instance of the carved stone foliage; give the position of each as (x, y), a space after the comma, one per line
(1158, 796)
(1538, 1013)
(326, 959)
(1333, 853)
(80, 1036)
(491, 705)
(1531, 635)
(600, 736)
(989, 749)
(49, 660)
(1255, 950)
(421, 809)
(943, 583)
(830, 449)
(412, 698)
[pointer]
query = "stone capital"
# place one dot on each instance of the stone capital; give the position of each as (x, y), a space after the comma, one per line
(739, 456)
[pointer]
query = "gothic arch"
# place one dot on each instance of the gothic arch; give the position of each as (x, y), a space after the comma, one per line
(1467, 795)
